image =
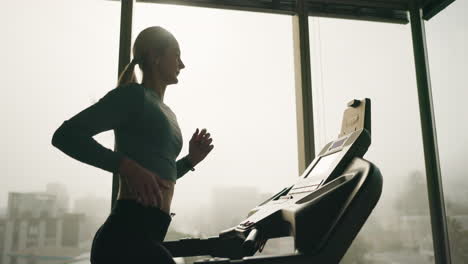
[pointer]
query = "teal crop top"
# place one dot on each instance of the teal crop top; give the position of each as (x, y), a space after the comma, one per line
(146, 131)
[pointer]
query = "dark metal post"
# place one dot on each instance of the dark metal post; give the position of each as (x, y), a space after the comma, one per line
(126, 12)
(305, 117)
(431, 153)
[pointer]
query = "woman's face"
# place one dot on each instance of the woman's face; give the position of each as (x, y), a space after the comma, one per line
(170, 64)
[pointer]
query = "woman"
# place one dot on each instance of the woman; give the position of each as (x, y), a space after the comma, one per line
(148, 141)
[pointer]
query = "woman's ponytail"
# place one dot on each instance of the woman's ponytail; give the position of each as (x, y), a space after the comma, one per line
(128, 74)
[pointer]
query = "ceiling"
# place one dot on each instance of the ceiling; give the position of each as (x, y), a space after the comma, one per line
(392, 11)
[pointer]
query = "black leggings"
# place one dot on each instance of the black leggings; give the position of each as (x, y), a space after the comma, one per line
(132, 233)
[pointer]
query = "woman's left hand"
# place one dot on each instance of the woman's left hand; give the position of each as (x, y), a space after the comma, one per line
(199, 146)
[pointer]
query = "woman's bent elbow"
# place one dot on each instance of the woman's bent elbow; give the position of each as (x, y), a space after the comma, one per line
(58, 137)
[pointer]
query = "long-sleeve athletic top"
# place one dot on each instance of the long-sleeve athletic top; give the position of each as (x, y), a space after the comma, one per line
(146, 131)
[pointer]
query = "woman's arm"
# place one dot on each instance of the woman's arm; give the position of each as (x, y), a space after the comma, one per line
(183, 166)
(199, 147)
(75, 136)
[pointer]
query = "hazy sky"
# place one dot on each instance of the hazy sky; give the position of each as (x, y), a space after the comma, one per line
(61, 55)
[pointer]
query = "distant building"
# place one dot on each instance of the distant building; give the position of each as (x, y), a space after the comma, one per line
(61, 194)
(37, 230)
(462, 220)
(95, 207)
(415, 232)
(2, 235)
(3, 212)
(31, 205)
(96, 210)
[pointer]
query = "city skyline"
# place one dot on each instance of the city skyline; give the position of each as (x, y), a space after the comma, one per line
(239, 84)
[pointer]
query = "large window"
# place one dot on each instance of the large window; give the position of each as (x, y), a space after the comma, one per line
(355, 60)
(447, 40)
(58, 57)
(239, 84)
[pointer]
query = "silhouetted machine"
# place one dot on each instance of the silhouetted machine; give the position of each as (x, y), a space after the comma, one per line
(324, 210)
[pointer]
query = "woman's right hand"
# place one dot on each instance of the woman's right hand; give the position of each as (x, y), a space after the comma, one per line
(143, 183)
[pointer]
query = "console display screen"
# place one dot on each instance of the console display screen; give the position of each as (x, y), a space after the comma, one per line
(323, 164)
(338, 143)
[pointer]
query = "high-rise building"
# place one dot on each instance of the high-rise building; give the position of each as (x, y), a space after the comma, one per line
(96, 210)
(61, 194)
(2, 235)
(37, 229)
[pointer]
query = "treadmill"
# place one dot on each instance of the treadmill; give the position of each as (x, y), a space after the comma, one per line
(323, 210)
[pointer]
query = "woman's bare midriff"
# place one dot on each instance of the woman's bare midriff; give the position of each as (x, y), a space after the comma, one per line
(125, 193)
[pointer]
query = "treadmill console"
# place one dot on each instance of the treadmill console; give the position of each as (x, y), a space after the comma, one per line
(326, 173)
